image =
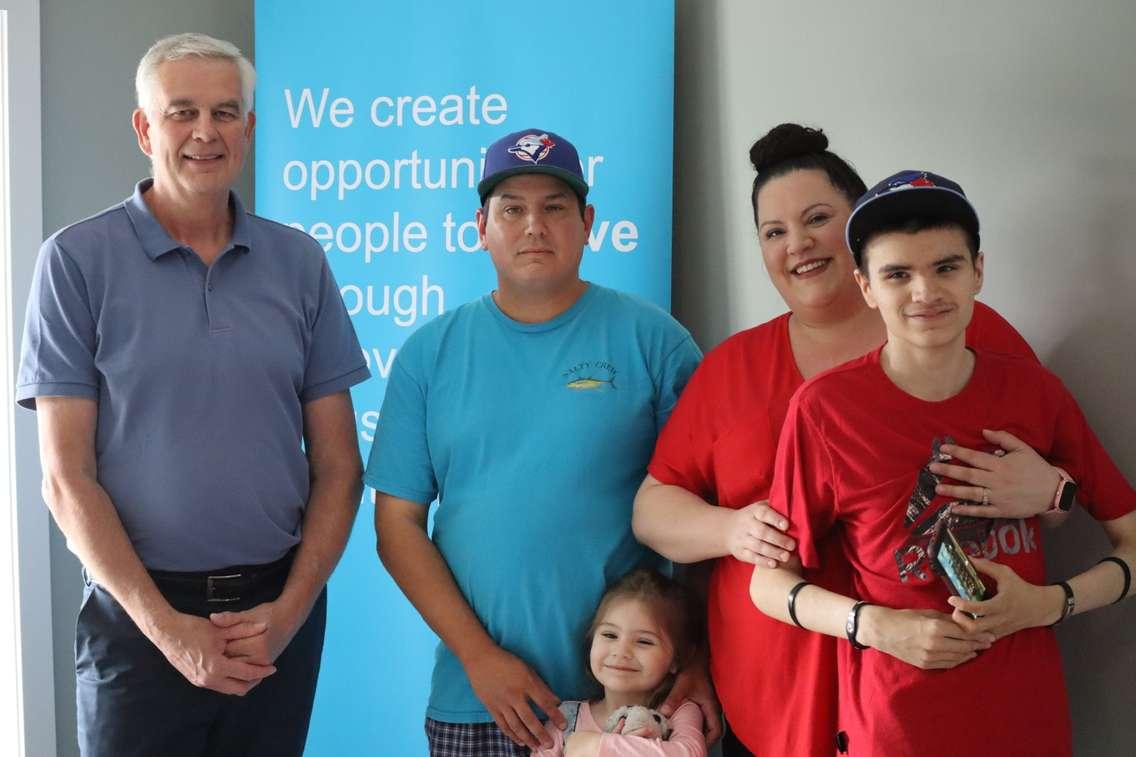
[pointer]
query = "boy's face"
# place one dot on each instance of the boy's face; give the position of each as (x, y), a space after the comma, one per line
(923, 285)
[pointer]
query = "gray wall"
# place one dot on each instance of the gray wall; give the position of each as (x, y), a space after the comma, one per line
(26, 231)
(90, 161)
(1029, 104)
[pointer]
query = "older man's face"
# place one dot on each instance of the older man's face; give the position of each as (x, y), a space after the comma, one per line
(194, 128)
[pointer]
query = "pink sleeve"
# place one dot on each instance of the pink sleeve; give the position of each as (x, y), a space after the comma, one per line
(686, 739)
(557, 748)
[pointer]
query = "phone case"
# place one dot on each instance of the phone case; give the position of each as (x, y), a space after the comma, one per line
(956, 568)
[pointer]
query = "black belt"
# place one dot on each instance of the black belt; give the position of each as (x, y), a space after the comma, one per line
(226, 584)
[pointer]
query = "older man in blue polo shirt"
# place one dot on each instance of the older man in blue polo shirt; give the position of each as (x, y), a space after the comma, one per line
(190, 365)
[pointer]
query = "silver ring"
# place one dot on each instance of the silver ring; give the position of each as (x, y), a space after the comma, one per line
(985, 497)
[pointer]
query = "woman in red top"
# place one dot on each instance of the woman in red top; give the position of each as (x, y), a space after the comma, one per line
(705, 495)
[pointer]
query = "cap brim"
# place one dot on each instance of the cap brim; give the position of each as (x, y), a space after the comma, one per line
(936, 203)
(578, 185)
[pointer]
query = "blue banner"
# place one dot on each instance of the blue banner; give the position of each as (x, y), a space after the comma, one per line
(373, 118)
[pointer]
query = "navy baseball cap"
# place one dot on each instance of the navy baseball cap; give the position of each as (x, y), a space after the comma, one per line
(905, 195)
(532, 151)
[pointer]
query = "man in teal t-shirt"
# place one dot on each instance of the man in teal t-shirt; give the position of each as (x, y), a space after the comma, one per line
(530, 414)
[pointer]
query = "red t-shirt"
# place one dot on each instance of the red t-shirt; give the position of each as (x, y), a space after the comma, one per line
(854, 451)
(777, 683)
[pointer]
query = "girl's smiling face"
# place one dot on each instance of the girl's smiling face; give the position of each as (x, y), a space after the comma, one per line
(631, 653)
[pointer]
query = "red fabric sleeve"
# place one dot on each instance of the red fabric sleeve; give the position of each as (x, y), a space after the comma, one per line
(803, 480)
(1103, 490)
(684, 452)
(993, 333)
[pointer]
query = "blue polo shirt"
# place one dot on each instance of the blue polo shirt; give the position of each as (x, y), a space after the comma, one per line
(200, 374)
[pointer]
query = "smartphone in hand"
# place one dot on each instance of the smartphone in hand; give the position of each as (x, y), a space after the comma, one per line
(955, 567)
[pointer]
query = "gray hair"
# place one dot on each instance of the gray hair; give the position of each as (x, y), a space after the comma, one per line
(192, 44)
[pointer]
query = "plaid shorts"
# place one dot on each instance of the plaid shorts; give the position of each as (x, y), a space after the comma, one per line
(470, 740)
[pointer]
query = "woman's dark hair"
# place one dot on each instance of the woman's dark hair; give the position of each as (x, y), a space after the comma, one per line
(679, 612)
(792, 147)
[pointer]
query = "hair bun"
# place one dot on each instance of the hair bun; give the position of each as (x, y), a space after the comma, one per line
(785, 142)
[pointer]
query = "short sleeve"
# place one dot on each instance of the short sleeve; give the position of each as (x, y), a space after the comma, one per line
(991, 332)
(1102, 489)
(803, 482)
(57, 357)
(335, 361)
(676, 369)
(684, 452)
(400, 463)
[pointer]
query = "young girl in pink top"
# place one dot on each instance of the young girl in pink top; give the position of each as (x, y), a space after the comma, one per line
(643, 631)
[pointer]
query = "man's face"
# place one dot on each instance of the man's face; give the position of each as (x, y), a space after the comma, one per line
(194, 128)
(923, 284)
(535, 235)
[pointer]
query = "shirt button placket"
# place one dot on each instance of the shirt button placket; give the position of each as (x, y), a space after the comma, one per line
(209, 305)
(219, 318)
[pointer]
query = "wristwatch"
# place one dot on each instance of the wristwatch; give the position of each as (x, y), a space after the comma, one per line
(1066, 493)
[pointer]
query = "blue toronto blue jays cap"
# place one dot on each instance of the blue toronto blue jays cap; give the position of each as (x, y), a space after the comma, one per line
(908, 195)
(532, 151)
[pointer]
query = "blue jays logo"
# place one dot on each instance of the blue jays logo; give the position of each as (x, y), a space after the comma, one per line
(532, 148)
(910, 179)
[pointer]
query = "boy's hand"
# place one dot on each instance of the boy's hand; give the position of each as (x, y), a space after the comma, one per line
(924, 638)
(1017, 605)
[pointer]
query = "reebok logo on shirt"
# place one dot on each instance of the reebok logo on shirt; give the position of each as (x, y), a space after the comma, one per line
(978, 536)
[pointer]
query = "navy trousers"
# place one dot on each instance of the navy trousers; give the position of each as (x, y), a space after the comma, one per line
(131, 701)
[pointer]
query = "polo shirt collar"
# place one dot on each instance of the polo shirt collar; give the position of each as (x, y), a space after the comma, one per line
(154, 238)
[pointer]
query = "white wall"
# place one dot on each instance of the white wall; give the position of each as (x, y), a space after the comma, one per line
(1031, 106)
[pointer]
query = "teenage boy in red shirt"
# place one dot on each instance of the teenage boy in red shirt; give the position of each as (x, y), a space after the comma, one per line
(854, 454)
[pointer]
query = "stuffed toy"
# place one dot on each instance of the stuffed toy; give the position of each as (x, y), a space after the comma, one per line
(639, 721)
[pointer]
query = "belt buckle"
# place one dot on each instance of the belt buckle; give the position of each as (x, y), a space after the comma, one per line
(214, 589)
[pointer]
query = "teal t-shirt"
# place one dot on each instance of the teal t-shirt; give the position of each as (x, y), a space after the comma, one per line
(534, 439)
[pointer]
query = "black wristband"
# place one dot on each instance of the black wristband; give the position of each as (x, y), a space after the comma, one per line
(793, 601)
(1127, 574)
(1070, 602)
(852, 625)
